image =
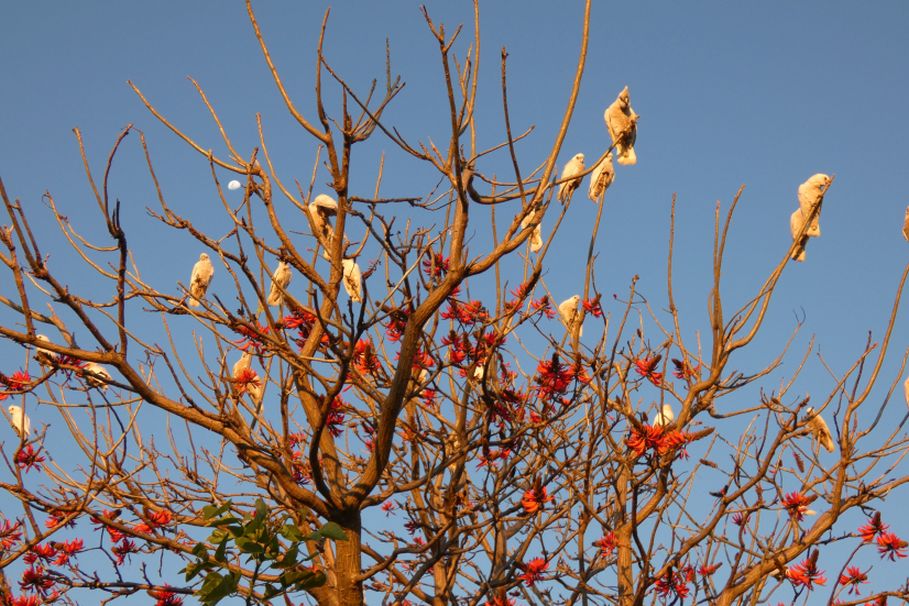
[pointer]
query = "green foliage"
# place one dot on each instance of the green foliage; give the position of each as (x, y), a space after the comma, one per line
(273, 547)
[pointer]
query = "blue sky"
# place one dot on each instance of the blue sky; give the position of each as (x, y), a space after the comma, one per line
(764, 94)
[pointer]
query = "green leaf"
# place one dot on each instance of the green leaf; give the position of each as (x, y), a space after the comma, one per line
(332, 531)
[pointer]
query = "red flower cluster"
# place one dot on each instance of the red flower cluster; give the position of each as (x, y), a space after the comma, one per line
(28, 458)
(554, 377)
(246, 379)
(434, 265)
(397, 322)
(534, 499)
(891, 546)
(365, 359)
(674, 583)
(501, 599)
(684, 371)
(10, 534)
(123, 549)
(607, 544)
(491, 455)
(533, 570)
(472, 312)
(660, 439)
(36, 579)
(66, 550)
(335, 420)
(253, 338)
(853, 577)
(592, 306)
(156, 519)
(19, 381)
(806, 573)
(165, 597)
(797, 505)
(873, 528)
(646, 367)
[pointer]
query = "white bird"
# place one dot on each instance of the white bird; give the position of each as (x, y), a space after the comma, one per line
(819, 430)
(19, 421)
(906, 224)
(203, 271)
(601, 178)
(811, 194)
(573, 167)
(242, 364)
(570, 314)
(234, 185)
(279, 281)
(44, 356)
(796, 222)
(536, 239)
(96, 375)
(621, 121)
(321, 209)
(353, 279)
(906, 390)
(664, 417)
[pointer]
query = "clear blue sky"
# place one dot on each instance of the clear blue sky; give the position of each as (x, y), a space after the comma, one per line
(764, 94)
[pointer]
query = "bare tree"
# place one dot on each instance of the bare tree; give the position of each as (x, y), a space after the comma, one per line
(342, 371)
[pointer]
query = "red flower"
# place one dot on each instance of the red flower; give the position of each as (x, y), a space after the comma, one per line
(253, 337)
(672, 583)
(705, 570)
(364, 357)
(806, 573)
(534, 498)
(533, 570)
(434, 264)
(660, 439)
(684, 371)
(388, 507)
(123, 549)
(873, 528)
(646, 367)
(28, 458)
(35, 579)
(66, 550)
(165, 597)
(246, 379)
(607, 544)
(797, 505)
(592, 306)
(19, 381)
(397, 322)
(501, 599)
(853, 577)
(45, 553)
(25, 600)
(543, 306)
(891, 546)
(9, 534)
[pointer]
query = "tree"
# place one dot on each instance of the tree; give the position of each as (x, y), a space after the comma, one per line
(407, 368)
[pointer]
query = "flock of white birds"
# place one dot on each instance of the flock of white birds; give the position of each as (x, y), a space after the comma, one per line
(621, 122)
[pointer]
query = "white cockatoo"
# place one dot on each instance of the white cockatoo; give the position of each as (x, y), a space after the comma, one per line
(601, 178)
(321, 209)
(621, 121)
(570, 314)
(573, 167)
(819, 430)
(234, 185)
(664, 417)
(536, 239)
(19, 421)
(203, 271)
(279, 281)
(96, 375)
(906, 390)
(242, 364)
(796, 222)
(43, 356)
(906, 224)
(353, 280)
(811, 194)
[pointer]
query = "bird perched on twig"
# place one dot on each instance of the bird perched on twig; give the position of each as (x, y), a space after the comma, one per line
(601, 178)
(570, 314)
(279, 281)
(96, 375)
(573, 167)
(44, 356)
(819, 430)
(664, 417)
(201, 277)
(353, 280)
(621, 121)
(19, 421)
(811, 194)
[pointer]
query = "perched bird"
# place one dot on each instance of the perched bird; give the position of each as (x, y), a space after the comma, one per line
(234, 185)
(353, 280)
(242, 364)
(601, 178)
(42, 355)
(570, 314)
(203, 271)
(279, 281)
(621, 121)
(536, 239)
(796, 222)
(906, 224)
(19, 421)
(573, 167)
(664, 417)
(819, 430)
(96, 375)
(321, 209)
(811, 194)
